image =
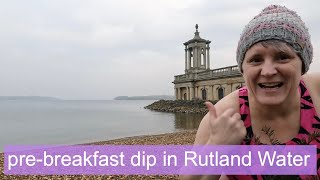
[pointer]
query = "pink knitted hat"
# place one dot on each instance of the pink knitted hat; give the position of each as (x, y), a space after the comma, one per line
(280, 23)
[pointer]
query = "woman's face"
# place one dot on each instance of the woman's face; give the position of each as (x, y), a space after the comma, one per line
(272, 75)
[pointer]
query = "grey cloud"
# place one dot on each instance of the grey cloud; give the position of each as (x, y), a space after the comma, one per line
(81, 49)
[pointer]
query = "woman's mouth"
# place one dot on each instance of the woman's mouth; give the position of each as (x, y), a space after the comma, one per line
(270, 85)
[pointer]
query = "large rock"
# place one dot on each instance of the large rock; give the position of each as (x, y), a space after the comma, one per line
(183, 106)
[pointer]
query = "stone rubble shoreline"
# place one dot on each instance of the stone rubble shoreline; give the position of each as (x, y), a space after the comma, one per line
(179, 106)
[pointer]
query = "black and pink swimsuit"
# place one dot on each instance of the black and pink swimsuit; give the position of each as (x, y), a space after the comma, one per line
(309, 123)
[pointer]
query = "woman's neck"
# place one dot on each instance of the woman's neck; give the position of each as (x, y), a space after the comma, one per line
(273, 112)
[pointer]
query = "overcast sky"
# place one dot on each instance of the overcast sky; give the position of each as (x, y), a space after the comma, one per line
(99, 49)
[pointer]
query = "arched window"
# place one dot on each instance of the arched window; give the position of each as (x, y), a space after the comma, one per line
(185, 96)
(220, 93)
(202, 57)
(204, 94)
(191, 57)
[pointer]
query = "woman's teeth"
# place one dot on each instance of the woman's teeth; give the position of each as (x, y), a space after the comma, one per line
(270, 85)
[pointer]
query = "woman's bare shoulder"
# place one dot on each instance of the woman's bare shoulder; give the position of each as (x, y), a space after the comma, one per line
(229, 101)
(312, 80)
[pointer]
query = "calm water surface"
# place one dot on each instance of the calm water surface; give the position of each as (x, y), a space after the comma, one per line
(70, 122)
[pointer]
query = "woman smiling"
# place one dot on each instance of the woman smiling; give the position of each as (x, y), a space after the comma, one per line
(280, 103)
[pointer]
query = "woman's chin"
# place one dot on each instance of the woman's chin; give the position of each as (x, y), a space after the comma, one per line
(270, 101)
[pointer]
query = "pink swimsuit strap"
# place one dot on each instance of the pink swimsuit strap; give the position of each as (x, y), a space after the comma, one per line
(309, 123)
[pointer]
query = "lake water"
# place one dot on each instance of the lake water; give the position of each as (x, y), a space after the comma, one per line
(72, 122)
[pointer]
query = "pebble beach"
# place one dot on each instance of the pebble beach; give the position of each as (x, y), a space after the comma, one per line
(179, 138)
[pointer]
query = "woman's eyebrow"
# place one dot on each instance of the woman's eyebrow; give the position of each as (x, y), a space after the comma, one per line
(285, 52)
(254, 56)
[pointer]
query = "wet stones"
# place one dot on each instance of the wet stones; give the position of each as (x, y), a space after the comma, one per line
(181, 106)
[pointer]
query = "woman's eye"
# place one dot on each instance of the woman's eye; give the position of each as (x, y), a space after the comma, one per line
(283, 57)
(255, 60)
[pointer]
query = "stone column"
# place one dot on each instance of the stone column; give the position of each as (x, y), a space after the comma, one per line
(188, 93)
(208, 57)
(205, 58)
(229, 89)
(195, 57)
(179, 94)
(189, 58)
(198, 58)
(214, 92)
(176, 93)
(210, 95)
(191, 93)
(186, 63)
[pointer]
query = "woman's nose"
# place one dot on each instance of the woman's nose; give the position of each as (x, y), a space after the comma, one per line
(268, 69)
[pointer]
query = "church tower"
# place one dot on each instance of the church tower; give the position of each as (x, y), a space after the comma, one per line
(201, 82)
(197, 54)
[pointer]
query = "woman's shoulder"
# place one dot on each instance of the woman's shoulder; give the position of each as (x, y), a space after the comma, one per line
(313, 76)
(229, 101)
(312, 82)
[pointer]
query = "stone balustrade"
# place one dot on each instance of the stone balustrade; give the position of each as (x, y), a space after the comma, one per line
(228, 71)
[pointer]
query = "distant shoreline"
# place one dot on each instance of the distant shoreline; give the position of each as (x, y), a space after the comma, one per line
(29, 98)
(152, 97)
